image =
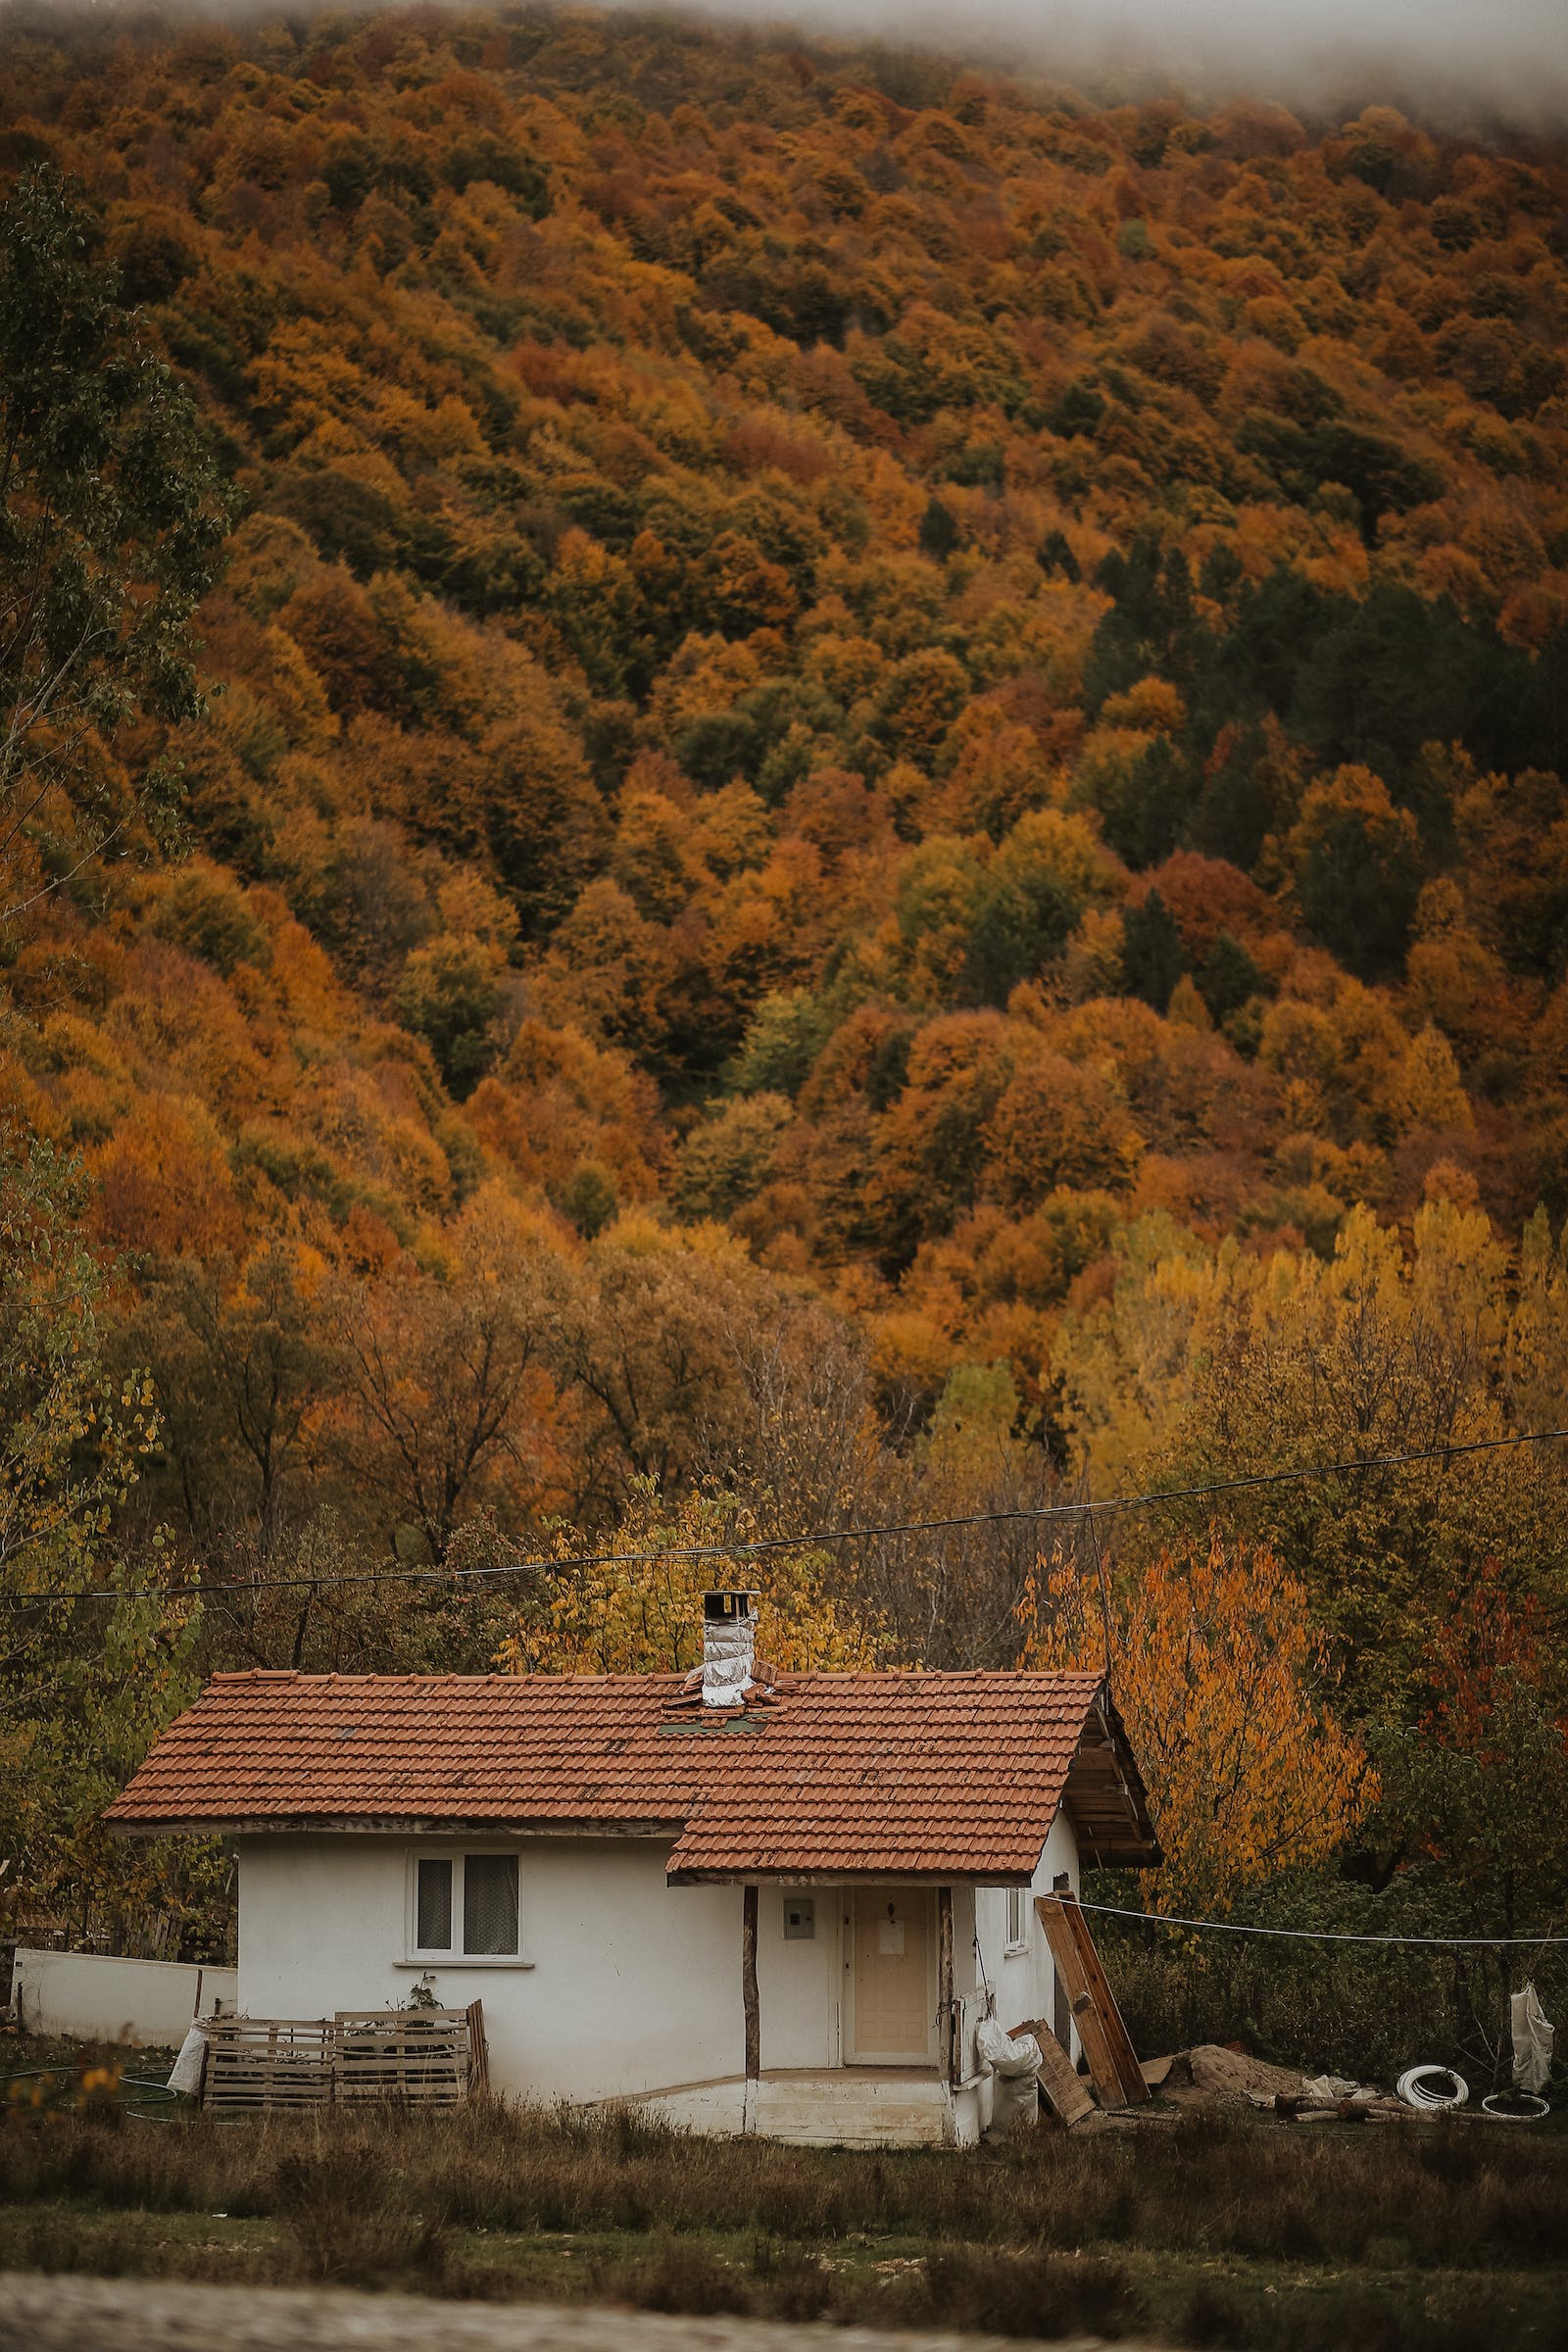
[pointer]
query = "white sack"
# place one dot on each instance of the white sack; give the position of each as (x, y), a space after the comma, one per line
(1001, 2054)
(1014, 2100)
(187, 2073)
(1013, 2064)
(1532, 2043)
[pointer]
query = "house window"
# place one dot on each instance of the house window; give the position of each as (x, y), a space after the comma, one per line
(466, 1906)
(1017, 1918)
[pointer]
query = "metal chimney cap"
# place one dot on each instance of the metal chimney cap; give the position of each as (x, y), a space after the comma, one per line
(734, 1601)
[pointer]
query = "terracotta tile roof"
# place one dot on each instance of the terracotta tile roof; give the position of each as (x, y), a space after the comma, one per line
(912, 1774)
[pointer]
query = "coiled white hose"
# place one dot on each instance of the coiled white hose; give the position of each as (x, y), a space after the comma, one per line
(1525, 2108)
(1413, 2091)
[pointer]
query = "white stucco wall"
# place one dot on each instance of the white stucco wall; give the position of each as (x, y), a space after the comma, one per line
(629, 1986)
(798, 1991)
(1023, 1982)
(632, 1985)
(90, 1996)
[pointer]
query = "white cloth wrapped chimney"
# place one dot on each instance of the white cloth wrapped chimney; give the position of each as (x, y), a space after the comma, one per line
(729, 1645)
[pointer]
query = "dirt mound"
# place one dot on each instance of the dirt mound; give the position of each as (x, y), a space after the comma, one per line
(1211, 2075)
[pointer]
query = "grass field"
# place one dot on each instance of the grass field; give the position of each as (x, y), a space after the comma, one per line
(1215, 2231)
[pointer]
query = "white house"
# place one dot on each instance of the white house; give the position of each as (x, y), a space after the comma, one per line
(779, 1902)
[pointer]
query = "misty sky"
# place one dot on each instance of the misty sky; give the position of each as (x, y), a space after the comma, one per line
(1511, 50)
(1454, 57)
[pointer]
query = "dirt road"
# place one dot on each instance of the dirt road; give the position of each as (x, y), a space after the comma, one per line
(139, 2314)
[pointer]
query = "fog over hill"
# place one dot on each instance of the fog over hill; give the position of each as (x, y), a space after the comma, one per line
(1448, 54)
(1446, 57)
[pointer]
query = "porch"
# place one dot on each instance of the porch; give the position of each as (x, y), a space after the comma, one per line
(844, 2106)
(891, 2029)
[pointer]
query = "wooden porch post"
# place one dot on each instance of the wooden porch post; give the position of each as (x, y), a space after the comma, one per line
(754, 2031)
(946, 2017)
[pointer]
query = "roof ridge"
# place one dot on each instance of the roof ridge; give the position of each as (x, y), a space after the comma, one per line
(888, 1676)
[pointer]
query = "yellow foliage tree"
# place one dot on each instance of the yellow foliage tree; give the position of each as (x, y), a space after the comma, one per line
(1205, 1362)
(640, 1609)
(1430, 1092)
(1218, 1672)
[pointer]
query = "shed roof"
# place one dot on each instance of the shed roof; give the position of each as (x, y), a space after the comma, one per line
(906, 1775)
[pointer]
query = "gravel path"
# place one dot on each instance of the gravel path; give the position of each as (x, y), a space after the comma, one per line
(140, 2314)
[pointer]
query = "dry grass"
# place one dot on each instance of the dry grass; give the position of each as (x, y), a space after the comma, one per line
(1210, 2232)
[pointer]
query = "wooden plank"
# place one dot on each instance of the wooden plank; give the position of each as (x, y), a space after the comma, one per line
(1064, 1952)
(1062, 2088)
(1112, 2061)
(753, 2027)
(1134, 2089)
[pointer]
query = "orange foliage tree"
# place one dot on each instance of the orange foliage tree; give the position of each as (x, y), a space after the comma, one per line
(1219, 1672)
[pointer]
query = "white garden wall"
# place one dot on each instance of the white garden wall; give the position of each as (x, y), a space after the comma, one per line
(87, 1996)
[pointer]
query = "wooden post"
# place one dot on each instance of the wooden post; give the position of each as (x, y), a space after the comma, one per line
(754, 2030)
(1060, 2006)
(946, 2015)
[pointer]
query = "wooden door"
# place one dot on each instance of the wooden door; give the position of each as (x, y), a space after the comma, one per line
(892, 1953)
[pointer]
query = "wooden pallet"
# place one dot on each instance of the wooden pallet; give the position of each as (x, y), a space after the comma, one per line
(418, 2057)
(421, 2056)
(267, 2062)
(1112, 2061)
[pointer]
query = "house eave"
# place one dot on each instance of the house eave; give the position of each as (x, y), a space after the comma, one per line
(1105, 1797)
(1119, 1853)
(388, 1825)
(882, 1874)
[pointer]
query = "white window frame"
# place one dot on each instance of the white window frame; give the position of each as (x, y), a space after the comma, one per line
(1019, 1942)
(423, 1957)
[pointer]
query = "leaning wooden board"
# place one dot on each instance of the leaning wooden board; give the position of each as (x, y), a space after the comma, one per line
(1063, 2088)
(1107, 2047)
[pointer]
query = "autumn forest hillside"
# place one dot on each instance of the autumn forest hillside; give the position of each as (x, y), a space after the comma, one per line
(875, 829)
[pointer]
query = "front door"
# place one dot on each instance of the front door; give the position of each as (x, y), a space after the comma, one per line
(892, 1943)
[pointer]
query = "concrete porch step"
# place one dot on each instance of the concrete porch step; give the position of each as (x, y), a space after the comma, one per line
(854, 2110)
(845, 2131)
(837, 2108)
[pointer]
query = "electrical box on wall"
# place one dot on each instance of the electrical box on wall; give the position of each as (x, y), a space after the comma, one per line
(800, 1918)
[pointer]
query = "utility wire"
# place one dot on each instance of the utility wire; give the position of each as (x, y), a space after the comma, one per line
(1229, 1927)
(759, 1545)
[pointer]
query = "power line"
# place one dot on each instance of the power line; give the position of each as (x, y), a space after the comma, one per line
(1229, 1927)
(757, 1546)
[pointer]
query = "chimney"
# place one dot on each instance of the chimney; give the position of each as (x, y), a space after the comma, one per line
(729, 1642)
